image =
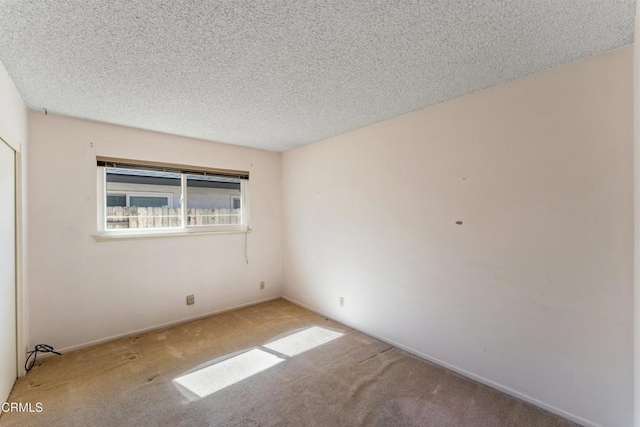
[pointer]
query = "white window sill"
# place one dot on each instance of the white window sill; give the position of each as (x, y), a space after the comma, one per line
(110, 236)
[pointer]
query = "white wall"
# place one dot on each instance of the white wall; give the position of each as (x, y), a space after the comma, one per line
(13, 129)
(82, 290)
(533, 293)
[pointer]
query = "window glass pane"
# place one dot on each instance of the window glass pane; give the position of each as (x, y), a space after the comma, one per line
(151, 199)
(210, 200)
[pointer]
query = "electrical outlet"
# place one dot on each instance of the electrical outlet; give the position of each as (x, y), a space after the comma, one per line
(191, 299)
(341, 301)
(261, 285)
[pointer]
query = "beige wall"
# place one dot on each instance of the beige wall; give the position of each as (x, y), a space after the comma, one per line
(82, 290)
(533, 293)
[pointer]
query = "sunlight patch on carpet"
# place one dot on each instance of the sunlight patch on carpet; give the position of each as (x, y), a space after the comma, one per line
(213, 378)
(303, 341)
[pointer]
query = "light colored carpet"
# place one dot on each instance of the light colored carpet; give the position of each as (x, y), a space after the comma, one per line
(169, 377)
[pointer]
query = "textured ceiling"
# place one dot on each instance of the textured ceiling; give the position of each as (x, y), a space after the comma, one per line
(278, 74)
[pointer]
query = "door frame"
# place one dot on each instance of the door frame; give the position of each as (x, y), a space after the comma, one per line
(19, 255)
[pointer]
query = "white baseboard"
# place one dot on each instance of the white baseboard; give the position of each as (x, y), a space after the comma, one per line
(161, 326)
(463, 372)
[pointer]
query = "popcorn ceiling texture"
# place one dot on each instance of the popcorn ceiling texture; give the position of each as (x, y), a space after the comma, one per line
(279, 74)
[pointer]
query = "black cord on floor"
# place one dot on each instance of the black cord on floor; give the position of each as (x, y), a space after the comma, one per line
(40, 348)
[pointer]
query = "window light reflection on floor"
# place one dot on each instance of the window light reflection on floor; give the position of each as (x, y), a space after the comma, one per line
(302, 341)
(225, 373)
(206, 381)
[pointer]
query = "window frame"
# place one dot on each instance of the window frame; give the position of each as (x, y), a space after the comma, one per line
(184, 229)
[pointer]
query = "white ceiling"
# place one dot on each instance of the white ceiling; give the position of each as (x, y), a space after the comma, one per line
(279, 74)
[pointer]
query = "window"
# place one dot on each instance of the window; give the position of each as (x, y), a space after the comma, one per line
(116, 200)
(210, 200)
(235, 202)
(144, 200)
(150, 199)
